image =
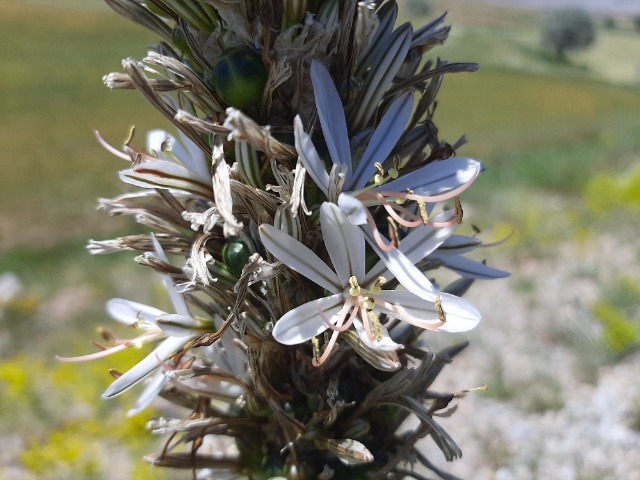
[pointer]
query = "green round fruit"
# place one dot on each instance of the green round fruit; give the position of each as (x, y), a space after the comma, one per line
(239, 77)
(235, 255)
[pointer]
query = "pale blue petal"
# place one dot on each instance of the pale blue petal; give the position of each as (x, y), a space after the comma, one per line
(309, 156)
(435, 177)
(298, 257)
(458, 244)
(470, 268)
(305, 322)
(344, 242)
(384, 139)
(331, 114)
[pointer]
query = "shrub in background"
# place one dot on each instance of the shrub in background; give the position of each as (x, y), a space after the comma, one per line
(568, 29)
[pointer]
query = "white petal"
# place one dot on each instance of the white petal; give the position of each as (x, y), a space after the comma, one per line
(385, 344)
(149, 393)
(192, 156)
(165, 174)
(383, 140)
(344, 242)
(436, 177)
(146, 365)
(129, 313)
(422, 241)
(179, 325)
(354, 209)
(309, 156)
(460, 314)
(401, 268)
(155, 140)
(331, 114)
(178, 301)
(298, 257)
(302, 323)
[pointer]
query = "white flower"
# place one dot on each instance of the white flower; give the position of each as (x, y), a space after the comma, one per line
(174, 329)
(168, 164)
(356, 297)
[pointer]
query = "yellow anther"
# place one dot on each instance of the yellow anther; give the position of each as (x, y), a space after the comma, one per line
(440, 310)
(379, 169)
(130, 135)
(355, 289)
(422, 209)
(377, 330)
(375, 287)
(459, 212)
(393, 173)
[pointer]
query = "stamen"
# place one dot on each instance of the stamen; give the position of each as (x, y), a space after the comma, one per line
(379, 168)
(376, 326)
(422, 209)
(439, 309)
(131, 134)
(366, 323)
(459, 212)
(375, 288)
(332, 342)
(393, 232)
(368, 303)
(354, 291)
(316, 348)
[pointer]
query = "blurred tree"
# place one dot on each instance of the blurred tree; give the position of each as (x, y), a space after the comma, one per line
(418, 8)
(569, 29)
(636, 23)
(609, 23)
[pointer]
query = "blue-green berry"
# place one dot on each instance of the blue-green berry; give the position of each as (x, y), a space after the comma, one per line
(235, 255)
(239, 77)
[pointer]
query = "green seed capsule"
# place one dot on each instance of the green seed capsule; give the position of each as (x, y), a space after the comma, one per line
(235, 255)
(152, 7)
(239, 77)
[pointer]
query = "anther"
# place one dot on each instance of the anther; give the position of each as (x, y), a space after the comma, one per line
(377, 330)
(459, 212)
(440, 310)
(355, 290)
(316, 348)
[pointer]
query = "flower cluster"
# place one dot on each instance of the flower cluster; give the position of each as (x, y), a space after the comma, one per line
(298, 221)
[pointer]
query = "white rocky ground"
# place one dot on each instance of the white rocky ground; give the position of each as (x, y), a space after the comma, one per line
(557, 408)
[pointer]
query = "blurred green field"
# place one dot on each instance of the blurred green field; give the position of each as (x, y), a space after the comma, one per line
(542, 128)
